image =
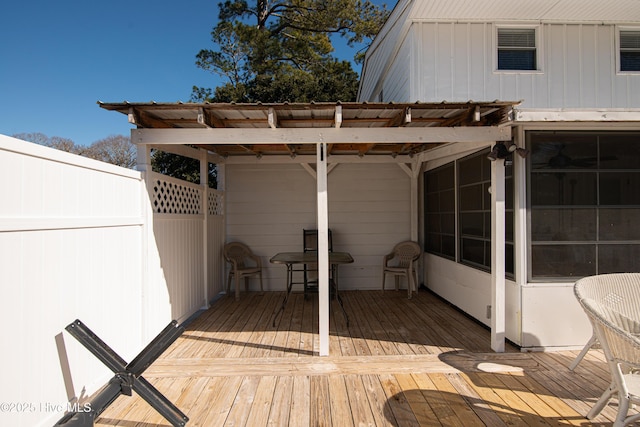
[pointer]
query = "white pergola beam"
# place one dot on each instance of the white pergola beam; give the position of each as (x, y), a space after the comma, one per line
(567, 115)
(310, 170)
(273, 118)
(201, 118)
(407, 117)
(333, 159)
(131, 116)
(256, 136)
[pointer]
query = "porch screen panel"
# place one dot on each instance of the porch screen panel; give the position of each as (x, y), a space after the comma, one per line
(440, 205)
(584, 196)
(474, 201)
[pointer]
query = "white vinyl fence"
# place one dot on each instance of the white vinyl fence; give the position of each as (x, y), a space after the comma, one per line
(82, 239)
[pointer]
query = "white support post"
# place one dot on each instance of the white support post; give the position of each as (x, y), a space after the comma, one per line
(323, 248)
(413, 171)
(497, 256)
(414, 219)
(143, 164)
(520, 218)
(204, 183)
(221, 181)
(143, 157)
(415, 175)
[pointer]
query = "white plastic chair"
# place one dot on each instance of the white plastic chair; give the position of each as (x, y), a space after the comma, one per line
(241, 259)
(402, 262)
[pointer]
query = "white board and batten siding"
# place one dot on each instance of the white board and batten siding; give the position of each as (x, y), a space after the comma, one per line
(470, 290)
(386, 57)
(577, 67)
(452, 56)
(268, 206)
(453, 52)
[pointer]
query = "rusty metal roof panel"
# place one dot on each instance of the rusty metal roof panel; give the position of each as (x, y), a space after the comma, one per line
(315, 115)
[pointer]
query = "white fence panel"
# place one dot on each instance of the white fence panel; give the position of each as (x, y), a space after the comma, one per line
(179, 243)
(70, 248)
(215, 238)
(179, 210)
(82, 239)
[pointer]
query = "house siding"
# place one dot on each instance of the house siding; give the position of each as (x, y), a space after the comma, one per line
(399, 88)
(381, 54)
(268, 206)
(577, 67)
(453, 57)
(470, 290)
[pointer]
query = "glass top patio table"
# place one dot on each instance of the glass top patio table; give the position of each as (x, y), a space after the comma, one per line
(290, 258)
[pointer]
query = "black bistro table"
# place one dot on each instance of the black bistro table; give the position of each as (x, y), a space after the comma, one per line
(291, 259)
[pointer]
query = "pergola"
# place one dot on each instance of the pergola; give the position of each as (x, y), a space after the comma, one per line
(326, 134)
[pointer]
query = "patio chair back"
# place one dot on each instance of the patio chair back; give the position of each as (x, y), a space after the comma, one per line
(619, 292)
(310, 240)
(612, 303)
(310, 244)
(608, 289)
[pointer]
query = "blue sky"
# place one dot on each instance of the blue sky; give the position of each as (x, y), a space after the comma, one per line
(58, 59)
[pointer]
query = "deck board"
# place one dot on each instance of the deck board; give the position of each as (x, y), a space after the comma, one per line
(281, 402)
(399, 362)
(359, 401)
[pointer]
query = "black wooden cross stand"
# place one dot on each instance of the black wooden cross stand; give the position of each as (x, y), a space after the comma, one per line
(128, 376)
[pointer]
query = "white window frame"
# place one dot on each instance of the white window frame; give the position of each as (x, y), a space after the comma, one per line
(538, 39)
(619, 50)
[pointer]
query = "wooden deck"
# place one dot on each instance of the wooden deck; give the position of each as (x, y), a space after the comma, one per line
(400, 362)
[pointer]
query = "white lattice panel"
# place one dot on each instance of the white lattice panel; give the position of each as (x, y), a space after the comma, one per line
(215, 204)
(170, 197)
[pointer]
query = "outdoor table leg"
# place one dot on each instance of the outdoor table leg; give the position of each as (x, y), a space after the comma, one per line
(286, 297)
(334, 285)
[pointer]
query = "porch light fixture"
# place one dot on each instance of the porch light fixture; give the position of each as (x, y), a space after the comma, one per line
(522, 152)
(504, 151)
(499, 151)
(511, 146)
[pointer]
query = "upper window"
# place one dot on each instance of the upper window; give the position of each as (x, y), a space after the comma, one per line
(630, 50)
(517, 49)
